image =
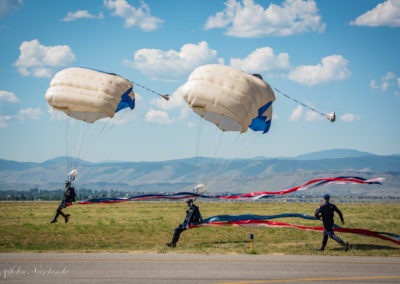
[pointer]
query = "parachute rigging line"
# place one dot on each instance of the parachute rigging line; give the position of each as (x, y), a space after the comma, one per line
(331, 117)
(164, 96)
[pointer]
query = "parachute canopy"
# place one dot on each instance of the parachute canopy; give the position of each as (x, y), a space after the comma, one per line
(89, 95)
(229, 98)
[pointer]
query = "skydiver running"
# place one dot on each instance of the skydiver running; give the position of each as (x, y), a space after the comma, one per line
(326, 211)
(192, 216)
(69, 197)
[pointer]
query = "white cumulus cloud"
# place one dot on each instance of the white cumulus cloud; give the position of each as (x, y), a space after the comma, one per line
(312, 115)
(384, 14)
(10, 109)
(81, 14)
(389, 76)
(40, 61)
(175, 101)
(32, 113)
(8, 97)
(385, 85)
(140, 17)
(248, 19)
(297, 114)
(388, 80)
(9, 103)
(262, 60)
(373, 84)
(157, 116)
(3, 121)
(331, 68)
(20, 115)
(7, 6)
(348, 117)
(172, 64)
(124, 116)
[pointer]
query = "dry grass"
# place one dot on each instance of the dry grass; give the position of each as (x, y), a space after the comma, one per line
(147, 226)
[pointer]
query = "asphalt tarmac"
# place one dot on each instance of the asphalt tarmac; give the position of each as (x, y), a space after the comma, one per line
(194, 268)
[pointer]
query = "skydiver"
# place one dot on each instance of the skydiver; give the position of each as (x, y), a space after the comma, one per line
(69, 197)
(192, 216)
(326, 211)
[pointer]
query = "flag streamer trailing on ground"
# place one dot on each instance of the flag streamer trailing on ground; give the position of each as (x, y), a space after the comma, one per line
(249, 196)
(257, 220)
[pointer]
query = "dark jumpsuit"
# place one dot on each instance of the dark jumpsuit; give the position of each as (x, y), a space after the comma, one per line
(192, 216)
(326, 211)
(69, 197)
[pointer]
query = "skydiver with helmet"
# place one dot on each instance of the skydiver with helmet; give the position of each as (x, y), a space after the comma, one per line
(69, 197)
(326, 211)
(192, 216)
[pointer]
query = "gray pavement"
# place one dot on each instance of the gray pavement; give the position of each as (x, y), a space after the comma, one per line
(185, 268)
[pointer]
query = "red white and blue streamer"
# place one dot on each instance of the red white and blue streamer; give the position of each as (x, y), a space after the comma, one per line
(257, 220)
(249, 196)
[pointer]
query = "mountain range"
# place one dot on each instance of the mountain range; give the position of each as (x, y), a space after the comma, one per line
(221, 175)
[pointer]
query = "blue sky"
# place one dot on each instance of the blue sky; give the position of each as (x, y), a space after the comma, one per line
(335, 55)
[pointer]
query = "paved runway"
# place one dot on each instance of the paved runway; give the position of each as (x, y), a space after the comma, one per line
(184, 268)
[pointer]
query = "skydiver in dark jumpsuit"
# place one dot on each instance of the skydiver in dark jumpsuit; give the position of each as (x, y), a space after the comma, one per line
(192, 216)
(69, 197)
(326, 211)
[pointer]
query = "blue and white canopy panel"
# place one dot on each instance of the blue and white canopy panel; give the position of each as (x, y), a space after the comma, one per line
(231, 99)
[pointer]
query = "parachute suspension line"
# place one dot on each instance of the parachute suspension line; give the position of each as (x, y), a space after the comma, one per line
(72, 142)
(249, 141)
(193, 126)
(241, 141)
(83, 133)
(197, 130)
(199, 166)
(215, 169)
(224, 163)
(331, 116)
(66, 145)
(102, 129)
(81, 141)
(207, 143)
(164, 96)
(87, 133)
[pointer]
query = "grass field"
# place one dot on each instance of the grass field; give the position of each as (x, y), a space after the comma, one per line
(147, 226)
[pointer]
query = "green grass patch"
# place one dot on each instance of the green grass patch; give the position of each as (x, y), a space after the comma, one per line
(147, 226)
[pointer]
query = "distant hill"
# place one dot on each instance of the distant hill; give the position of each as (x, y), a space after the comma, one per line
(333, 154)
(238, 175)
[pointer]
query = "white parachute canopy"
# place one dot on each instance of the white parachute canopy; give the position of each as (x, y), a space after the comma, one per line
(71, 176)
(229, 98)
(73, 173)
(89, 95)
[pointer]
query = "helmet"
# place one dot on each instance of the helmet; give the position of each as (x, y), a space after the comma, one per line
(326, 197)
(67, 183)
(258, 76)
(189, 202)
